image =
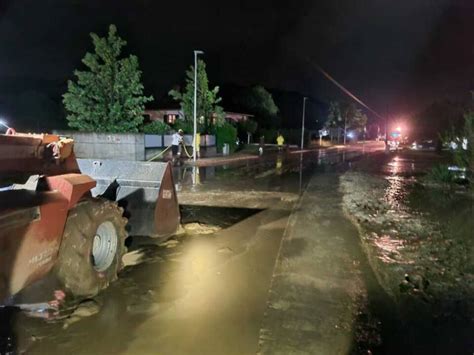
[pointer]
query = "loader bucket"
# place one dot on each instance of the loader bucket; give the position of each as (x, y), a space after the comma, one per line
(145, 190)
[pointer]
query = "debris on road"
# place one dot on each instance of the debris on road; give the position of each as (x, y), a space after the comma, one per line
(85, 309)
(199, 228)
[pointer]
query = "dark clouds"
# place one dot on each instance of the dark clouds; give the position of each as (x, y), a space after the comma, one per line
(396, 55)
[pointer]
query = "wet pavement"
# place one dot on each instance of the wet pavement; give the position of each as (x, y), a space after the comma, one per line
(280, 271)
(318, 288)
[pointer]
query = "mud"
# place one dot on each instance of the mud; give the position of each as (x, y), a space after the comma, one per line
(419, 243)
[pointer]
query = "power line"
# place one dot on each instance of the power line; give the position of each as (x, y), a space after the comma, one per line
(346, 91)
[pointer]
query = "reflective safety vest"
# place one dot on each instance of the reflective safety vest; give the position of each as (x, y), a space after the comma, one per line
(280, 140)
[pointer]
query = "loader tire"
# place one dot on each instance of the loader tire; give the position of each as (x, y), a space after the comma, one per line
(92, 247)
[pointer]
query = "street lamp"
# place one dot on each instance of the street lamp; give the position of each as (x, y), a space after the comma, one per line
(302, 121)
(196, 53)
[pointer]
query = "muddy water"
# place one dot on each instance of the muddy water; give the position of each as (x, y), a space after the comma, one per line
(419, 241)
(197, 293)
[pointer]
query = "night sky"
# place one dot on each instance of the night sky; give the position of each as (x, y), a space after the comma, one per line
(397, 56)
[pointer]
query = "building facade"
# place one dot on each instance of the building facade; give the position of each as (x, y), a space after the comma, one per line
(170, 116)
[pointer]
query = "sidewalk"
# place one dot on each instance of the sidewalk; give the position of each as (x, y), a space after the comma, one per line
(317, 288)
(219, 160)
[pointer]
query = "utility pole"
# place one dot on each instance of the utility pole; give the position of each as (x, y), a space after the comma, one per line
(302, 121)
(196, 53)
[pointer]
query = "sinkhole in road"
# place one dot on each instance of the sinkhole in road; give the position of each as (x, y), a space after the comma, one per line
(197, 220)
(222, 217)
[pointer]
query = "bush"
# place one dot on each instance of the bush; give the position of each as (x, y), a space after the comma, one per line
(442, 174)
(245, 127)
(156, 127)
(226, 134)
(186, 125)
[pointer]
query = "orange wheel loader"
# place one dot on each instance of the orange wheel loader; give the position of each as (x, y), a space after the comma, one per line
(56, 218)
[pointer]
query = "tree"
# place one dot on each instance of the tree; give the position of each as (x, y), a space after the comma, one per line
(226, 134)
(259, 102)
(463, 138)
(208, 110)
(356, 119)
(156, 127)
(108, 96)
(334, 119)
(345, 116)
(246, 128)
(439, 117)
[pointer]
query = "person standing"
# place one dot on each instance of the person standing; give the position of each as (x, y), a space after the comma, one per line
(175, 143)
(280, 141)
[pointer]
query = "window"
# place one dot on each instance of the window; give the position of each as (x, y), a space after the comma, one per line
(170, 119)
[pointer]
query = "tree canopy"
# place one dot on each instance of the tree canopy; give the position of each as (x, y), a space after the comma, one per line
(439, 117)
(345, 115)
(108, 96)
(259, 102)
(208, 110)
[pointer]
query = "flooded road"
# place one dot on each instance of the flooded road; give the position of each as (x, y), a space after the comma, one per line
(418, 240)
(281, 271)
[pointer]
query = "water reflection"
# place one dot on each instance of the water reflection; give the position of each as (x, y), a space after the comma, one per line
(196, 176)
(301, 173)
(279, 165)
(389, 249)
(394, 165)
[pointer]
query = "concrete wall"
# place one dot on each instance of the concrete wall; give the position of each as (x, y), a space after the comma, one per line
(118, 146)
(128, 146)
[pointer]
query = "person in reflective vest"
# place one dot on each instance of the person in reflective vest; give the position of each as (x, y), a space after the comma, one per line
(280, 141)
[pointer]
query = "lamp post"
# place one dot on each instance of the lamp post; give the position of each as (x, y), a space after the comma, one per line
(302, 121)
(196, 53)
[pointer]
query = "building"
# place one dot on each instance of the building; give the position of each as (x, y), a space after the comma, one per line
(170, 116)
(167, 116)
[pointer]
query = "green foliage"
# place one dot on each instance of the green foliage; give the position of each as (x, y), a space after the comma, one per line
(186, 125)
(259, 102)
(334, 115)
(226, 133)
(463, 155)
(345, 115)
(208, 110)
(108, 96)
(439, 117)
(156, 127)
(248, 126)
(356, 120)
(469, 134)
(441, 174)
